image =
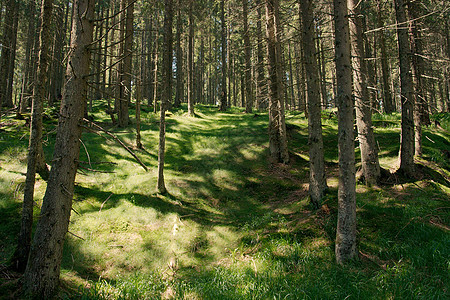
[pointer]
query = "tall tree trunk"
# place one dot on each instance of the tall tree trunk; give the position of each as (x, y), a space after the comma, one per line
(346, 225)
(167, 91)
(248, 57)
(421, 115)
(407, 100)
(8, 53)
(317, 179)
(388, 101)
(223, 96)
(260, 76)
(367, 145)
(126, 63)
(41, 276)
(191, 62)
(25, 94)
(34, 158)
(179, 52)
(277, 126)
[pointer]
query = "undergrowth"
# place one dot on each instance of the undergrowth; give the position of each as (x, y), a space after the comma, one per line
(232, 226)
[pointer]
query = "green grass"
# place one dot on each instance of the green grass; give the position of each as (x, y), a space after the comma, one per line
(231, 226)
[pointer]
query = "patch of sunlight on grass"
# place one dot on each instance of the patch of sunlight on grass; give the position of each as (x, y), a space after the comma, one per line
(225, 179)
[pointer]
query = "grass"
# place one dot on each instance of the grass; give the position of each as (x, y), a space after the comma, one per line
(232, 226)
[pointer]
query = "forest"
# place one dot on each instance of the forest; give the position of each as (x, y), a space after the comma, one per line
(212, 149)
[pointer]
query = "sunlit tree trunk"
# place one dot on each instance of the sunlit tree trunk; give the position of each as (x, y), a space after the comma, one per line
(167, 91)
(317, 179)
(35, 152)
(190, 78)
(366, 138)
(41, 278)
(277, 126)
(346, 226)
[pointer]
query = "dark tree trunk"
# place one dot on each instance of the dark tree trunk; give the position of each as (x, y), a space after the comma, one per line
(407, 100)
(41, 278)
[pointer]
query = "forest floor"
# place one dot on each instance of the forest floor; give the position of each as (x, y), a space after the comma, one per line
(232, 226)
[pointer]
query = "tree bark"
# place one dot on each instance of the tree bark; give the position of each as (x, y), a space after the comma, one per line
(8, 53)
(407, 102)
(248, 57)
(223, 96)
(317, 179)
(277, 126)
(41, 277)
(191, 63)
(366, 138)
(388, 101)
(35, 152)
(260, 76)
(167, 91)
(179, 52)
(346, 226)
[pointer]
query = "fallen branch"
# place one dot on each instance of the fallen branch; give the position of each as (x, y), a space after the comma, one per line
(94, 170)
(119, 141)
(101, 206)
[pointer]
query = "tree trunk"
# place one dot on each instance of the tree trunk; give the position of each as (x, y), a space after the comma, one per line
(407, 102)
(317, 179)
(388, 101)
(167, 91)
(25, 94)
(223, 96)
(179, 52)
(8, 53)
(248, 57)
(35, 152)
(260, 76)
(367, 145)
(346, 225)
(41, 277)
(126, 64)
(191, 63)
(277, 126)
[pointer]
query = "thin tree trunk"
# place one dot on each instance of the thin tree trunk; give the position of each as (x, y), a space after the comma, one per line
(407, 100)
(223, 97)
(277, 126)
(248, 57)
(179, 52)
(167, 91)
(388, 101)
(260, 76)
(317, 179)
(346, 226)
(41, 278)
(367, 145)
(20, 256)
(190, 78)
